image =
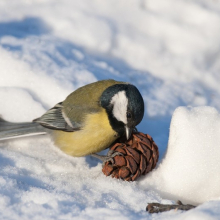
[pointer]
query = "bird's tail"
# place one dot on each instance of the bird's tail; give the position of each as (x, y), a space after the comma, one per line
(9, 130)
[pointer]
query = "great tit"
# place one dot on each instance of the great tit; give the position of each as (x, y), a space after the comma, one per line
(89, 120)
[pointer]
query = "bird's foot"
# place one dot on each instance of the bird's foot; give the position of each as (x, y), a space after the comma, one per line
(157, 207)
(109, 157)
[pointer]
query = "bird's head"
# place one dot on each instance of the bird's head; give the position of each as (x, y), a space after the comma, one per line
(124, 106)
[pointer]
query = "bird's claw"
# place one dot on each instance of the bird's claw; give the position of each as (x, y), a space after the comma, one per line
(108, 158)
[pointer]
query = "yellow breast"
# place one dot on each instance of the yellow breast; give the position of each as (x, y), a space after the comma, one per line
(96, 135)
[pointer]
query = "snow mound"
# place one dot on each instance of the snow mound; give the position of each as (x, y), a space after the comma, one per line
(190, 169)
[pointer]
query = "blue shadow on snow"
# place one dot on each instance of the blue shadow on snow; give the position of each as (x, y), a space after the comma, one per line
(26, 27)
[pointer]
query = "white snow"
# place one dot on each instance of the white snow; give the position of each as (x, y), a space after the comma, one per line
(168, 49)
(190, 169)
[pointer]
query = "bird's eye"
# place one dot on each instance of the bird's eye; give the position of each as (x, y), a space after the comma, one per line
(128, 115)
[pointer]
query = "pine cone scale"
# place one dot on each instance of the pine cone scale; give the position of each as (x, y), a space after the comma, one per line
(124, 172)
(143, 164)
(134, 154)
(121, 150)
(120, 161)
(107, 169)
(137, 174)
(146, 150)
(116, 146)
(131, 164)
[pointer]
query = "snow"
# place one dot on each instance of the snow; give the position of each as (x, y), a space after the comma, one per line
(190, 168)
(168, 49)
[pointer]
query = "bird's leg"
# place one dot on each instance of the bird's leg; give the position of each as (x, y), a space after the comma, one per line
(157, 207)
(109, 157)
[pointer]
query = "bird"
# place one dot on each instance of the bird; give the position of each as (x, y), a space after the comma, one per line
(88, 121)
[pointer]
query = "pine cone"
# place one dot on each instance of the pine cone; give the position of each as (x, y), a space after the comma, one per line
(139, 156)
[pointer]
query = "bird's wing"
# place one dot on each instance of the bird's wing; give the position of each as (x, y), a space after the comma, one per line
(55, 119)
(67, 119)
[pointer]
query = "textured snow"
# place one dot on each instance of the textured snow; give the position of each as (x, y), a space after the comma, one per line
(168, 49)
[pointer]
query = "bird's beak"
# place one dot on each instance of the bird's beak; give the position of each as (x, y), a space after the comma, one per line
(128, 131)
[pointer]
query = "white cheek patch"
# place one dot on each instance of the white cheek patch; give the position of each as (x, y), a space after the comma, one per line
(120, 104)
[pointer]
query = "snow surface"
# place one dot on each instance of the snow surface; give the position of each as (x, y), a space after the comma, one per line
(190, 169)
(168, 49)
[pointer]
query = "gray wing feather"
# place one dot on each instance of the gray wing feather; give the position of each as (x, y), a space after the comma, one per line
(54, 119)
